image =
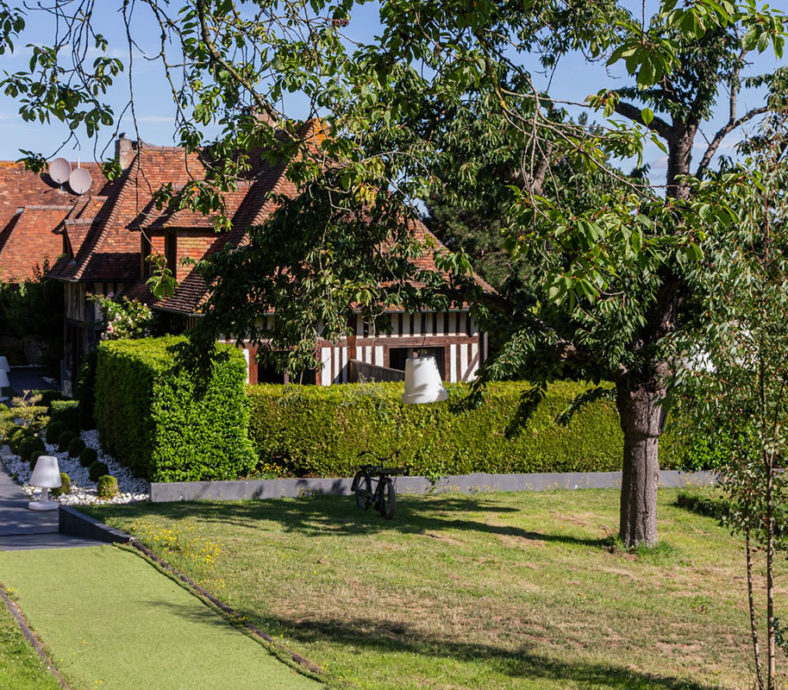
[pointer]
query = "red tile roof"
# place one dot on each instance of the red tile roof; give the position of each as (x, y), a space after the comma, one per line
(102, 232)
(32, 208)
(253, 210)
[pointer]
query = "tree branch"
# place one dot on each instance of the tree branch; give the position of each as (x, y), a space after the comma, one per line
(635, 114)
(563, 350)
(724, 131)
(216, 56)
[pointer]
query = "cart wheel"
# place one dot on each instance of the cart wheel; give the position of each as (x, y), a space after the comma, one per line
(362, 487)
(387, 503)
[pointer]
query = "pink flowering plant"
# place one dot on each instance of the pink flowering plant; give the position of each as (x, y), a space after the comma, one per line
(124, 318)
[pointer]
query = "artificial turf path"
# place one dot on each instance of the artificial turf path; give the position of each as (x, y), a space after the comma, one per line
(109, 619)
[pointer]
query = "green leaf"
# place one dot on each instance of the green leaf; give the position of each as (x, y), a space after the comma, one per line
(646, 75)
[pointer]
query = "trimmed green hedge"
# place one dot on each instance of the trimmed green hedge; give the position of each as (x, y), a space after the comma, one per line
(320, 431)
(66, 411)
(164, 419)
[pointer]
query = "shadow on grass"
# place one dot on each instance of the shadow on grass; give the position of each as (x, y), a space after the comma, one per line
(338, 515)
(378, 637)
(375, 637)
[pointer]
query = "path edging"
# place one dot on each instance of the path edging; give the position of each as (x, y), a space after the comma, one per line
(76, 524)
(31, 637)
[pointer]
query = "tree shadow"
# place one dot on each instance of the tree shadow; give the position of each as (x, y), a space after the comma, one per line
(337, 515)
(399, 638)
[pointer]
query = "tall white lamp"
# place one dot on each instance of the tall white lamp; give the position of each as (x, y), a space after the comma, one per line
(423, 382)
(4, 364)
(46, 475)
(4, 383)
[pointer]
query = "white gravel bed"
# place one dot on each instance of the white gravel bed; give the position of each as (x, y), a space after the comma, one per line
(131, 489)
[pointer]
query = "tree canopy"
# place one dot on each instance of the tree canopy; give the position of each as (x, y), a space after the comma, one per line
(443, 104)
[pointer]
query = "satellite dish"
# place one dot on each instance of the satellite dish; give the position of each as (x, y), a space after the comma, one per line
(80, 180)
(59, 170)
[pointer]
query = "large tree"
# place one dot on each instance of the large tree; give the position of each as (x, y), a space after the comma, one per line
(445, 98)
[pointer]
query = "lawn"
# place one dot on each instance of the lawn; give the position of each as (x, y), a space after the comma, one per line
(495, 591)
(20, 667)
(109, 619)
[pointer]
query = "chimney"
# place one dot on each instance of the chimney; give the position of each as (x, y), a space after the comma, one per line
(125, 150)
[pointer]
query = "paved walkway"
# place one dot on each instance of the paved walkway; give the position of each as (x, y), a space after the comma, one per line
(28, 378)
(22, 528)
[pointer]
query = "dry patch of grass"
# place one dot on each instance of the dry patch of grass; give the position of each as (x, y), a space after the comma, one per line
(496, 591)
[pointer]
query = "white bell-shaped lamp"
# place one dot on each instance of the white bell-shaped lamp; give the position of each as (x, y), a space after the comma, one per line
(4, 364)
(46, 475)
(423, 382)
(4, 383)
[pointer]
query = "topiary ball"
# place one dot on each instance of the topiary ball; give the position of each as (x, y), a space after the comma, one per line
(96, 470)
(31, 448)
(17, 437)
(65, 485)
(107, 486)
(87, 457)
(64, 439)
(54, 430)
(76, 446)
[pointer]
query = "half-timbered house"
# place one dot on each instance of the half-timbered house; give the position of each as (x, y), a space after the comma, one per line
(108, 233)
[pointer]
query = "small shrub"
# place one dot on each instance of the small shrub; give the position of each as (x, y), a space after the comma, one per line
(54, 429)
(76, 446)
(703, 503)
(6, 422)
(107, 486)
(87, 457)
(30, 445)
(65, 485)
(66, 411)
(17, 436)
(96, 470)
(64, 440)
(48, 395)
(28, 409)
(703, 455)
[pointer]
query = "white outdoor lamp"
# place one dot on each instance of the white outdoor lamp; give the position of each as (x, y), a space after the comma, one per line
(4, 383)
(46, 475)
(423, 382)
(4, 364)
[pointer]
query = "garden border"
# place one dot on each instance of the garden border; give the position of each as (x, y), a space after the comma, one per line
(245, 489)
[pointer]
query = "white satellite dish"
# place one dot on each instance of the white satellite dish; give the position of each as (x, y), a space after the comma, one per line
(80, 180)
(59, 170)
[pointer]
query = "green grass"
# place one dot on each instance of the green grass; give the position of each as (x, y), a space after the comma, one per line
(20, 667)
(496, 591)
(110, 619)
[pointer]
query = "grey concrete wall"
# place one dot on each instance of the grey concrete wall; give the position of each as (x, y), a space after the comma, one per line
(468, 483)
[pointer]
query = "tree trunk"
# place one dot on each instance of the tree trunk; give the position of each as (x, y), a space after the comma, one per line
(770, 620)
(679, 158)
(642, 421)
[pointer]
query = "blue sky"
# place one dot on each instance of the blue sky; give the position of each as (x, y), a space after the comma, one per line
(574, 79)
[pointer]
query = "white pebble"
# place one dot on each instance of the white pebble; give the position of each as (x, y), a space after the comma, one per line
(131, 489)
